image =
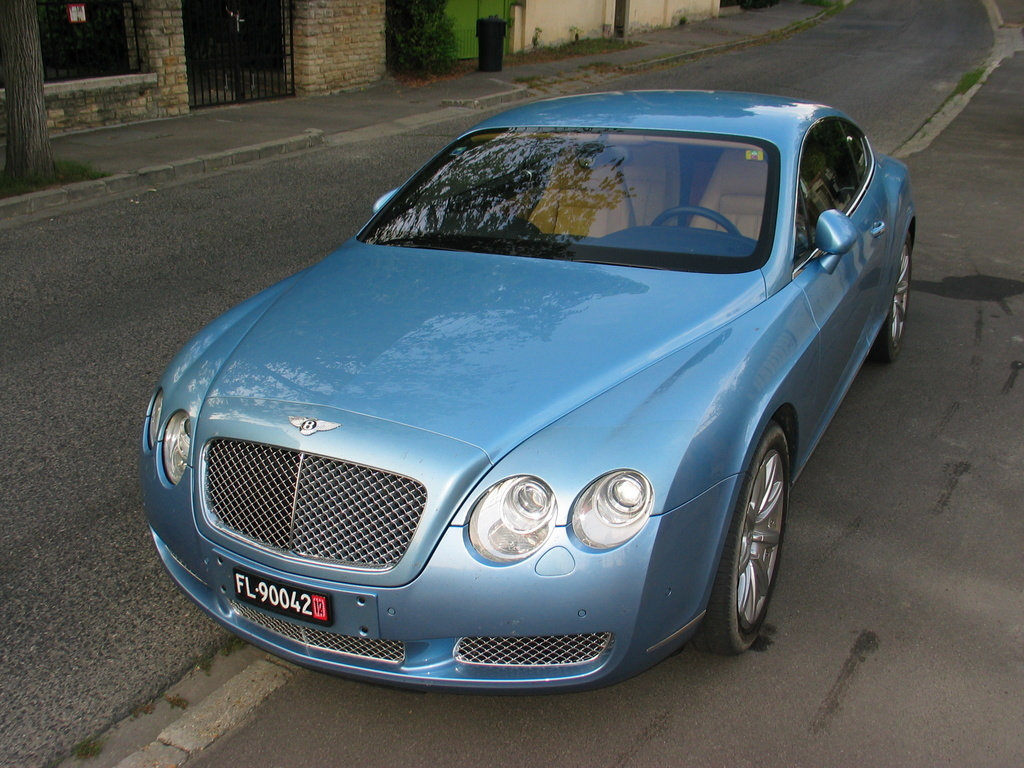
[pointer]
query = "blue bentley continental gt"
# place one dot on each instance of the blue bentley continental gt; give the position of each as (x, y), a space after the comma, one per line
(536, 425)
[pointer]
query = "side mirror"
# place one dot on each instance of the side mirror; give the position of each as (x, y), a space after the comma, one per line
(384, 200)
(835, 235)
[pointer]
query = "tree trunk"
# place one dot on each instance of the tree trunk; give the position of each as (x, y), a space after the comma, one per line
(29, 154)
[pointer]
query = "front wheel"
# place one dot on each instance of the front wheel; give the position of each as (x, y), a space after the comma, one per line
(750, 561)
(889, 341)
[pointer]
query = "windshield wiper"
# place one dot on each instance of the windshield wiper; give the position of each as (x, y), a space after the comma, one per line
(640, 263)
(534, 249)
(433, 242)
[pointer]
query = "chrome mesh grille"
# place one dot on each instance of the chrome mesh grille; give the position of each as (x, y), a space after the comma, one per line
(532, 651)
(312, 506)
(366, 648)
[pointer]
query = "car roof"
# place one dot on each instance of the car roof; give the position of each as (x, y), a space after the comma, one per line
(781, 121)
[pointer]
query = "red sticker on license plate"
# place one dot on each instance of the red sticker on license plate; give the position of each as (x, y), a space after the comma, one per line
(286, 600)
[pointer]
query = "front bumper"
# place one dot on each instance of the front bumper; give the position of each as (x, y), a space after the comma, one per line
(565, 619)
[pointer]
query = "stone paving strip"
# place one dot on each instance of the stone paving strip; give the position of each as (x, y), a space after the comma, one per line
(226, 708)
(205, 704)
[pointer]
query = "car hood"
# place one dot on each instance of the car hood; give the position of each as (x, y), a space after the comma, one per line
(481, 348)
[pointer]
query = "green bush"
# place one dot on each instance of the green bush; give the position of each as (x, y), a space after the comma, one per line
(420, 36)
(757, 3)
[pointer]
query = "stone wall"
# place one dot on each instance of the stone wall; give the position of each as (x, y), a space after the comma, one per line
(162, 52)
(337, 44)
(80, 104)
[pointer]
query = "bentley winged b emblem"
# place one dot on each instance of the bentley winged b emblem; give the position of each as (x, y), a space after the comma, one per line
(312, 426)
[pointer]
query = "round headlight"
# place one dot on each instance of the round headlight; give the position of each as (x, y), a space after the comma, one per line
(154, 418)
(177, 442)
(513, 519)
(613, 509)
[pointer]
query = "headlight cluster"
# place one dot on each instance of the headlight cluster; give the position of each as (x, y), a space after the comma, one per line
(613, 509)
(177, 438)
(514, 518)
(177, 442)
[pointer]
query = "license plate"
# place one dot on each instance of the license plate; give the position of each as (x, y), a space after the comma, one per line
(282, 598)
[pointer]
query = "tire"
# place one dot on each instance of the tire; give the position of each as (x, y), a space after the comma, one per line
(889, 340)
(747, 572)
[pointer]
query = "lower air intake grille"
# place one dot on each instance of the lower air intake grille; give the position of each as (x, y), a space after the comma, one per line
(311, 506)
(366, 648)
(532, 651)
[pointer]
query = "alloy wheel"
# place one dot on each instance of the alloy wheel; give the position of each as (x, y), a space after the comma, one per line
(760, 539)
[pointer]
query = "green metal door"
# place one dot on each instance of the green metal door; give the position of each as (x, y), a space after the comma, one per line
(464, 14)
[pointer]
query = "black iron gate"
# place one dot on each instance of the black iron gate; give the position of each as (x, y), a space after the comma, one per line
(237, 50)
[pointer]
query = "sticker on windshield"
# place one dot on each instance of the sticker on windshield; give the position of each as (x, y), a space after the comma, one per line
(755, 154)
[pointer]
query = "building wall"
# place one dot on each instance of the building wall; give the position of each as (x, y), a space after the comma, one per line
(337, 44)
(647, 14)
(550, 22)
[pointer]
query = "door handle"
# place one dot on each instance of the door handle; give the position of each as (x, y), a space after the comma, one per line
(877, 229)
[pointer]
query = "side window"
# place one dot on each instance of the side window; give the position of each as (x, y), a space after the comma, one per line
(858, 145)
(831, 175)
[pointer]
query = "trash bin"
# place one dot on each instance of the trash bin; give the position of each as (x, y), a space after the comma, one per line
(491, 33)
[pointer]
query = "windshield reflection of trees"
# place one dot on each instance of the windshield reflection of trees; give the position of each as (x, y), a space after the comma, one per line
(490, 196)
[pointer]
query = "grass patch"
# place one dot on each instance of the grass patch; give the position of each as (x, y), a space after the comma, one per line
(968, 81)
(600, 66)
(233, 644)
(590, 46)
(68, 172)
(177, 702)
(89, 748)
(831, 9)
(205, 663)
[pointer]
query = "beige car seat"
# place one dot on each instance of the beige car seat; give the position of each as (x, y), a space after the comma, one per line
(737, 190)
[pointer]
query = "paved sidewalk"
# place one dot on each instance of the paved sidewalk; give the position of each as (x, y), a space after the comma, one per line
(146, 154)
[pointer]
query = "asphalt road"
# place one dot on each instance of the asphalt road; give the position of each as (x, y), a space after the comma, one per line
(891, 518)
(890, 65)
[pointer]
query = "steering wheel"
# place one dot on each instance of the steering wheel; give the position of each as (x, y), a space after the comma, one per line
(696, 210)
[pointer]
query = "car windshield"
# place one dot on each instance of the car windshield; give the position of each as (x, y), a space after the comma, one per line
(655, 200)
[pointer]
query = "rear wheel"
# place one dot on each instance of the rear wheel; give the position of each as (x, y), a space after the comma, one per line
(750, 561)
(889, 341)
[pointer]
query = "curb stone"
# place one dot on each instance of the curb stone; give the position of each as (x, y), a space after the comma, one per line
(224, 709)
(485, 102)
(206, 702)
(1008, 42)
(144, 178)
